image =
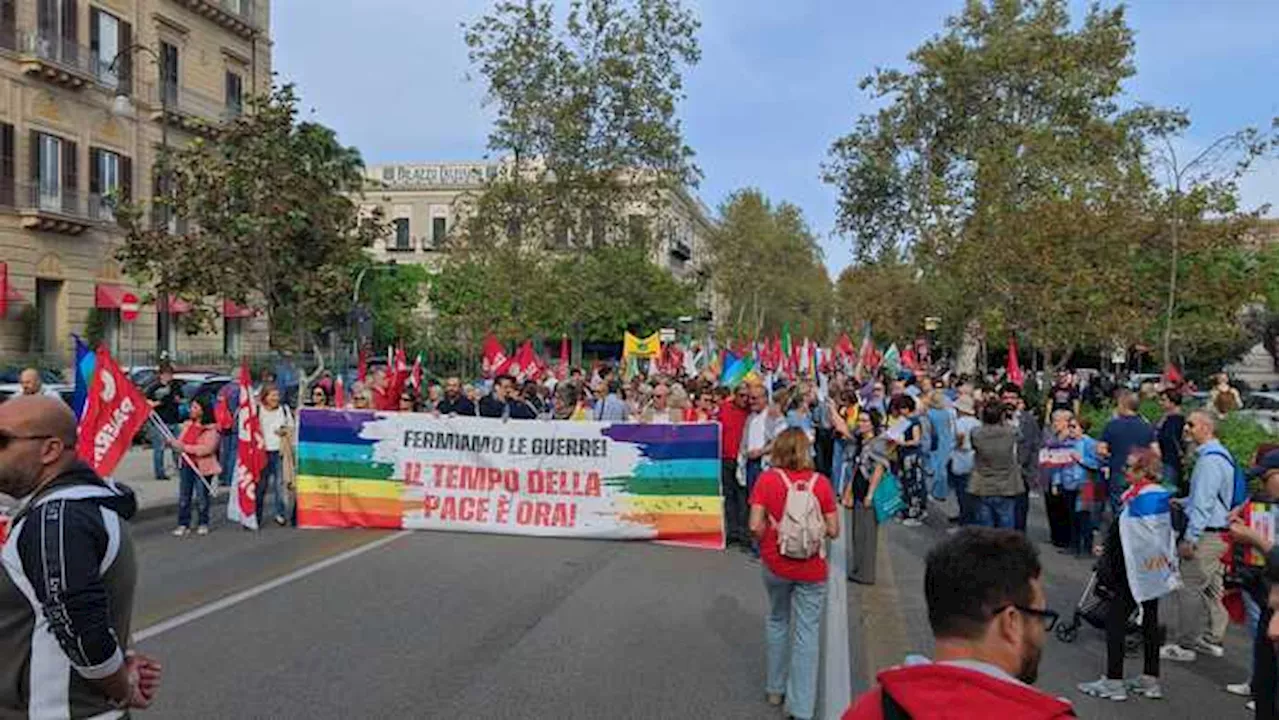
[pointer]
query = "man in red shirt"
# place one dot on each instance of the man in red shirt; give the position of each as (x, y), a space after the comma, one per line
(987, 610)
(733, 418)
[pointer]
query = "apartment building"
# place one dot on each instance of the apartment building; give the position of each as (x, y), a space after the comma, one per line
(90, 90)
(424, 203)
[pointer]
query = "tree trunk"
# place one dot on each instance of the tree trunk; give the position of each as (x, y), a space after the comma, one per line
(970, 342)
(1173, 282)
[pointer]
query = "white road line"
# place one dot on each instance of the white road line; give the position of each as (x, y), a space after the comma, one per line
(239, 597)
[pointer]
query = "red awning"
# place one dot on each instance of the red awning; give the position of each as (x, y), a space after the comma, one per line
(232, 310)
(178, 306)
(107, 297)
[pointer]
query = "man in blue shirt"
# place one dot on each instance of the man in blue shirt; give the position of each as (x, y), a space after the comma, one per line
(609, 407)
(1126, 432)
(1202, 619)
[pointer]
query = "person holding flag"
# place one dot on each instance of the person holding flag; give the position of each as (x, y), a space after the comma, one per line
(250, 457)
(198, 442)
(277, 423)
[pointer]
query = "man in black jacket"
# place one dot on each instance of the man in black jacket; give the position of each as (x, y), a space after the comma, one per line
(495, 404)
(454, 402)
(66, 593)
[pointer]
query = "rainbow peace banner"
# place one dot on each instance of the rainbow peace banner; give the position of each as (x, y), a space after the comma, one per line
(360, 468)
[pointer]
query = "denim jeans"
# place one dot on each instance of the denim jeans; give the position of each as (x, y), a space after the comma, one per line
(994, 511)
(837, 465)
(960, 486)
(227, 456)
(753, 470)
(270, 480)
(159, 448)
(188, 484)
(793, 623)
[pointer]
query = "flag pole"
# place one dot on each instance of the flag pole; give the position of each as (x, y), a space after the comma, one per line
(168, 435)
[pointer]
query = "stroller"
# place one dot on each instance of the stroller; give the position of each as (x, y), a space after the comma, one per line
(1092, 608)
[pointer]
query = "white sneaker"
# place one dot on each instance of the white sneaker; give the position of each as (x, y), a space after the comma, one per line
(1251, 706)
(280, 520)
(1243, 689)
(1145, 686)
(181, 531)
(912, 522)
(1177, 653)
(1208, 648)
(1105, 689)
(202, 530)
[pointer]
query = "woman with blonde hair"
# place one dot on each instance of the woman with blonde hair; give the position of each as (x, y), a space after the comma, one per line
(796, 586)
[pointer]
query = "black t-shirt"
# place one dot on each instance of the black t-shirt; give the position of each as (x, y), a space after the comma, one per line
(1169, 435)
(1063, 398)
(168, 395)
(460, 406)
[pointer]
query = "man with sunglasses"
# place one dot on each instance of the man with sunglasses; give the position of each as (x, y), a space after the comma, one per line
(988, 612)
(66, 593)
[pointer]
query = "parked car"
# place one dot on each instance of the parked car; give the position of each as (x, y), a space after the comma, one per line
(1263, 407)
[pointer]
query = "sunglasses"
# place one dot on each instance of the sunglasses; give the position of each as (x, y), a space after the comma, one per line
(7, 437)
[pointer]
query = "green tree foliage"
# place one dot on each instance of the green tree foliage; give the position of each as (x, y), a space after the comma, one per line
(769, 270)
(395, 296)
(888, 294)
(269, 222)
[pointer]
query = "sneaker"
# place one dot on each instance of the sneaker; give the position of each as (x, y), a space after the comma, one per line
(1208, 648)
(202, 530)
(1243, 689)
(1105, 689)
(774, 699)
(181, 531)
(1177, 653)
(1251, 706)
(912, 522)
(280, 520)
(1144, 686)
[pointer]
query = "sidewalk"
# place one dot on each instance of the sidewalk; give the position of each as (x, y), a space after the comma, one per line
(156, 498)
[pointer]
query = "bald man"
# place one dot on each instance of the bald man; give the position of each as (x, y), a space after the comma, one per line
(66, 593)
(30, 383)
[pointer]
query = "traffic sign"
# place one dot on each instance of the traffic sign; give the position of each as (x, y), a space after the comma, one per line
(128, 307)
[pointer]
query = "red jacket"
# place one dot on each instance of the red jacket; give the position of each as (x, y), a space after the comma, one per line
(951, 692)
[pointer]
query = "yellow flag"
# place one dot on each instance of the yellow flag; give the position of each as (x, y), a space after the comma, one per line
(641, 347)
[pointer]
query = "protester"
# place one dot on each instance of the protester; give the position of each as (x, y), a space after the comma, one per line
(277, 420)
(1144, 469)
(611, 408)
(1169, 435)
(1126, 432)
(432, 399)
(960, 468)
(228, 430)
(796, 581)
(874, 456)
(524, 405)
(1062, 396)
(361, 399)
(1028, 442)
(1253, 526)
(30, 384)
(198, 440)
(319, 397)
(1061, 476)
(658, 410)
(67, 514)
(996, 482)
(454, 402)
(1089, 495)
(733, 420)
(495, 405)
(407, 402)
(164, 399)
(987, 609)
(1202, 619)
(1223, 397)
(938, 441)
(757, 437)
(905, 428)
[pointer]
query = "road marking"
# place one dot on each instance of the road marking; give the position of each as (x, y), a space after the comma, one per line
(236, 598)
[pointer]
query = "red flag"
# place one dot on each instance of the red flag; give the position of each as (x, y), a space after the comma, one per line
(222, 413)
(562, 367)
(251, 457)
(339, 393)
(527, 364)
(1012, 370)
(415, 375)
(114, 412)
(844, 346)
(362, 368)
(1173, 376)
(909, 361)
(495, 360)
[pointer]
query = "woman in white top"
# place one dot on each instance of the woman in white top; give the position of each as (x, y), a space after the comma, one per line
(276, 421)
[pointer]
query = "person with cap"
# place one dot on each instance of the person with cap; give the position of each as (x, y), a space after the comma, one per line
(1252, 530)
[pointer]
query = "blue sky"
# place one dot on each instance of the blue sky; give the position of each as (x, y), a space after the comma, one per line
(777, 81)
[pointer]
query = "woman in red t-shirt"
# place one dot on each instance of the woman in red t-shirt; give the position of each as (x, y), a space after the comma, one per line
(799, 585)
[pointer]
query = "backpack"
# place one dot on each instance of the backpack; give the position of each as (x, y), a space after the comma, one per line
(1240, 483)
(802, 528)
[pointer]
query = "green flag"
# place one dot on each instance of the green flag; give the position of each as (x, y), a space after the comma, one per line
(893, 361)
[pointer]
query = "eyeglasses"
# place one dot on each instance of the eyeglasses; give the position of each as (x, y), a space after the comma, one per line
(7, 437)
(1047, 616)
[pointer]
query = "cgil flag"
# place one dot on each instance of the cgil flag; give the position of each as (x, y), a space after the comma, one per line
(251, 457)
(496, 361)
(114, 411)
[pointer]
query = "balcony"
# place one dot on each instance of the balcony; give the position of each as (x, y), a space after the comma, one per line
(54, 59)
(234, 15)
(681, 251)
(187, 109)
(54, 209)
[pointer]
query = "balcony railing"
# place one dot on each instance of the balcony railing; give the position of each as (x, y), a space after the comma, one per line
(235, 15)
(186, 107)
(53, 208)
(56, 58)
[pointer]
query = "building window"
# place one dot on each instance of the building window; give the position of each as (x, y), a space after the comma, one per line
(401, 240)
(57, 35)
(235, 94)
(48, 293)
(110, 181)
(439, 230)
(232, 336)
(53, 173)
(169, 71)
(108, 37)
(9, 24)
(6, 165)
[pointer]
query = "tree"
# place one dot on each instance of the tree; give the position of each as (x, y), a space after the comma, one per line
(1010, 112)
(586, 118)
(269, 221)
(886, 293)
(395, 296)
(768, 269)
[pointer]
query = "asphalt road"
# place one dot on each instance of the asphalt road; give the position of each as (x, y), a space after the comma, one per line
(452, 625)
